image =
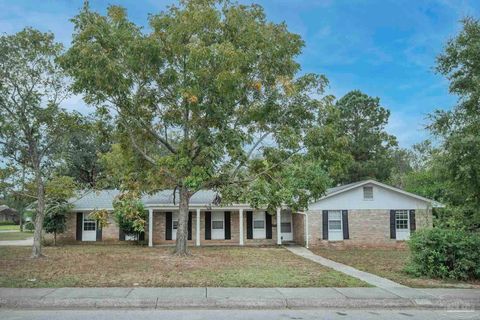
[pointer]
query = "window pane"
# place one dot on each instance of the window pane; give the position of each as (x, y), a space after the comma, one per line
(286, 227)
(175, 224)
(258, 224)
(89, 225)
(334, 225)
(368, 193)
(334, 215)
(401, 219)
(217, 224)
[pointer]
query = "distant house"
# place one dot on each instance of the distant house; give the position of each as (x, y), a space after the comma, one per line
(8, 214)
(362, 213)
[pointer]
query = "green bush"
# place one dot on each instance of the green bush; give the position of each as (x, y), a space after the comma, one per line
(445, 253)
(7, 223)
(29, 226)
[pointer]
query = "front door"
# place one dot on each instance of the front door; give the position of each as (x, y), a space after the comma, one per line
(174, 225)
(259, 230)
(402, 223)
(218, 225)
(286, 227)
(89, 232)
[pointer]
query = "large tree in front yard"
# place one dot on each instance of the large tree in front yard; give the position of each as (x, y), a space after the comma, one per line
(197, 97)
(31, 122)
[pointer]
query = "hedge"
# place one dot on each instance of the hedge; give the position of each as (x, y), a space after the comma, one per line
(445, 253)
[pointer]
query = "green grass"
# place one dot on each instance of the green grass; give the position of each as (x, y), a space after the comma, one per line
(10, 227)
(126, 265)
(15, 235)
(388, 263)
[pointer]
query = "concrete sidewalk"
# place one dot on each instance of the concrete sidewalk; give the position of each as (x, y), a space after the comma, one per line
(369, 278)
(246, 298)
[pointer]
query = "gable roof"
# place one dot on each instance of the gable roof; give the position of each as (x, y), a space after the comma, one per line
(340, 189)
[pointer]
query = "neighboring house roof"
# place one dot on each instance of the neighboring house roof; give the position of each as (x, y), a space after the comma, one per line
(337, 190)
(91, 200)
(7, 209)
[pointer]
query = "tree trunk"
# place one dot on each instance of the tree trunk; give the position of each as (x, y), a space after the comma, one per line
(55, 238)
(40, 212)
(182, 230)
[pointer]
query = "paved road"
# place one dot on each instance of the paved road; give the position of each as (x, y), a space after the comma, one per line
(234, 314)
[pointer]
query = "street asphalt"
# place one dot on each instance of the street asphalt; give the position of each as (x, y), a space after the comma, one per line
(330, 314)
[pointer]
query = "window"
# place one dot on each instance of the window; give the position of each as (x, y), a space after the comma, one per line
(286, 227)
(367, 193)
(175, 224)
(89, 225)
(217, 224)
(335, 220)
(401, 219)
(258, 224)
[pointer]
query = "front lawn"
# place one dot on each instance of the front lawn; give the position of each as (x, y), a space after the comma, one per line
(387, 263)
(10, 227)
(129, 265)
(15, 235)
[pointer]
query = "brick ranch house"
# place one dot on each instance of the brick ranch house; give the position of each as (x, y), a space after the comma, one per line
(361, 213)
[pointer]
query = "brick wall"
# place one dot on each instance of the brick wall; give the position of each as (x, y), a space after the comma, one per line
(366, 228)
(298, 228)
(159, 231)
(109, 233)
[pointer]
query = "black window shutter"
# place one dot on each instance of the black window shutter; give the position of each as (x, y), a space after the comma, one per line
(168, 226)
(99, 232)
(208, 225)
(141, 236)
(190, 225)
(393, 233)
(346, 234)
(79, 225)
(325, 224)
(121, 234)
(249, 225)
(228, 232)
(268, 225)
(413, 223)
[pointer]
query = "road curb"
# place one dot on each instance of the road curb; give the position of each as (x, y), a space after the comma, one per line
(208, 303)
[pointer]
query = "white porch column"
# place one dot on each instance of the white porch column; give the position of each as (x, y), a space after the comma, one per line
(279, 226)
(150, 227)
(197, 229)
(306, 231)
(240, 217)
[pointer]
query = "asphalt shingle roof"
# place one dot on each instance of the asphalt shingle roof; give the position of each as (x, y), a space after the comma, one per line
(103, 199)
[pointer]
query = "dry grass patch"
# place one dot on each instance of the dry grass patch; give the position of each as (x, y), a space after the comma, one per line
(128, 265)
(389, 263)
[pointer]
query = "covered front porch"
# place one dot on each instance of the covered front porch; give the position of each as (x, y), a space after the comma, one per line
(226, 226)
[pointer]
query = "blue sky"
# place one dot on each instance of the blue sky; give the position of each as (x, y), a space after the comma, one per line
(384, 48)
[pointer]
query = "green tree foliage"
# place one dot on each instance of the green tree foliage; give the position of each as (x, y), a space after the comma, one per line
(130, 213)
(58, 190)
(362, 121)
(459, 129)
(445, 253)
(89, 138)
(197, 98)
(32, 126)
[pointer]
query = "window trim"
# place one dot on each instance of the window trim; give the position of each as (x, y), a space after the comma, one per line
(220, 217)
(340, 220)
(406, 219)
(364, 197)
